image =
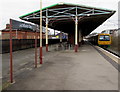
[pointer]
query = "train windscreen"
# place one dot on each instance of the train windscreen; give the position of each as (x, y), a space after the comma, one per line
(104, 38)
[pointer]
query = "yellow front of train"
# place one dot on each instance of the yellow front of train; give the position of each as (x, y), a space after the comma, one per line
(104, 40)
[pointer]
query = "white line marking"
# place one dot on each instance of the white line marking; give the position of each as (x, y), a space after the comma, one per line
(112, 56)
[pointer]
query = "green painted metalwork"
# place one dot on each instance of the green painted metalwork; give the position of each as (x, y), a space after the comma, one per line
(65, 4)
(38, 10)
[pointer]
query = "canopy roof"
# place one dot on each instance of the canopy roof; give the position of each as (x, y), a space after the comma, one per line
(61, 17)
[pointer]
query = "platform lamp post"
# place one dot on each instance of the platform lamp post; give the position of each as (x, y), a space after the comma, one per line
(40, 31)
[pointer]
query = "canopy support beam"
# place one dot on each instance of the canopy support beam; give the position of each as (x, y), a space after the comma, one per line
(76, 32)
(40, 31)
(46, 30)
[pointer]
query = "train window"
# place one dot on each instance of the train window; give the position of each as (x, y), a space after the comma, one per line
(101, 38)
(107, 38)
(104, 38)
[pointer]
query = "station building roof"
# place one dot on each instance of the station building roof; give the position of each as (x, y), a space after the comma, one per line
(61, 17)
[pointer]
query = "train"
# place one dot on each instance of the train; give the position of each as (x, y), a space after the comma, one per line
(23, 39)
(115, 34)
(112, 45)
(23, 36)
(101, 39)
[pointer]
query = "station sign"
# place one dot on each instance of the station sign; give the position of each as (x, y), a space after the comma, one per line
(23, 26)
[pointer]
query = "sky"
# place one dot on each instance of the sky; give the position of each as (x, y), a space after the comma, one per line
(16, 8)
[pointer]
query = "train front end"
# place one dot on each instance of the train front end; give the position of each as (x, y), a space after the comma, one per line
(104, 40)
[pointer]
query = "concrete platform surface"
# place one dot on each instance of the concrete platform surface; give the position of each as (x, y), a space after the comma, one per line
(67, 70)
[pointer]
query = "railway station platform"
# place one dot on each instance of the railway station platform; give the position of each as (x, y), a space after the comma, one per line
(66, 70)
